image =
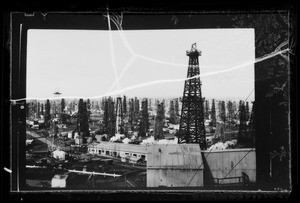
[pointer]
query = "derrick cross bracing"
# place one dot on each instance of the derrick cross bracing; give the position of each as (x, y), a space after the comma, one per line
(192, 128)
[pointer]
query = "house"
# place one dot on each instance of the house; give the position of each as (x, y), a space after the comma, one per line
(58, 154)
(78, 140)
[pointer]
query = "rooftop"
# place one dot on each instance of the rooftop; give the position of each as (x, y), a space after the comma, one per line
(174, 156)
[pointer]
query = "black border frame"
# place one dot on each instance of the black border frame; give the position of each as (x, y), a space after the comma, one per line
(18, 90)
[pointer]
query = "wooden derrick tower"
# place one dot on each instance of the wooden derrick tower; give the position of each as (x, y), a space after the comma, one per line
(119, 116)
(192, 128)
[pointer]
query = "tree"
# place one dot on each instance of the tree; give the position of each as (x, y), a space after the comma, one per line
(213, 113)
(172, 118)
(47, 113)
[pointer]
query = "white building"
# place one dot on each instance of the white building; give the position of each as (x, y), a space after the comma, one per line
(78, 140)
(58, 154)
(124, 151)
(59, 181)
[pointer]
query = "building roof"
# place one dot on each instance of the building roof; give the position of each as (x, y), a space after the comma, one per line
(174, 156)
(121, 147)
(59, 152)
(60, 176)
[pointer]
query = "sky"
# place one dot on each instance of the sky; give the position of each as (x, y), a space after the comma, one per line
(86, 63)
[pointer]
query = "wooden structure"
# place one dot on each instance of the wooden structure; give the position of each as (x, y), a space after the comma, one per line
(229, 166)
(192, 119)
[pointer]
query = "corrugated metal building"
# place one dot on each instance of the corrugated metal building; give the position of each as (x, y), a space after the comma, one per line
(180, 165)
(174, 165)
(229, 164)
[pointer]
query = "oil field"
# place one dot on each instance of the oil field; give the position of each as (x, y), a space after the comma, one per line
(133, 142)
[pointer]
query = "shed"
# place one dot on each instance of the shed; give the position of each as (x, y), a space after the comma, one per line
(174, 165)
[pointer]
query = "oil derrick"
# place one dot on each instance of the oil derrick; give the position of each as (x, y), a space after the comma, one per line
(144, 123)
(124, 105)
(111, 118)
(131, 112)
(105, 116)
(192, 128)
(119, 116)
(213, 114)
(159, 122)
(136, 110)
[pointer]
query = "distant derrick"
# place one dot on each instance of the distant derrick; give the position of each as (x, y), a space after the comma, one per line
(109, 118)
(192, 128)
(159, 122)
(119, 116)
(144, 122)
(131, 113)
